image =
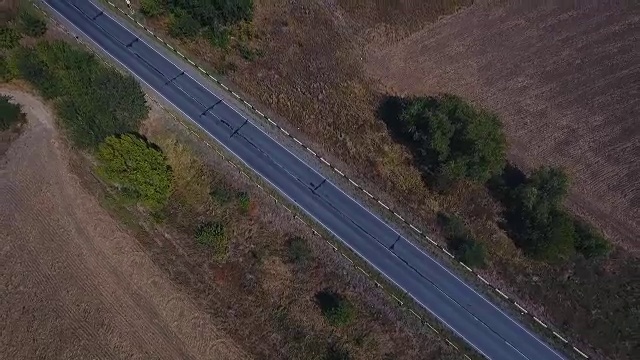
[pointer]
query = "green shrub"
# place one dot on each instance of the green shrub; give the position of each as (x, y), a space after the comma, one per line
(220, 195)
(182, 25)
(137, 168)
(213, 236)
(589, 242)
(151, 8)
(461, 242)
(31, 23)
(244, 201)
(298, 251)
(219, 36)
(335, 308)
(9, 37)
(10, 114)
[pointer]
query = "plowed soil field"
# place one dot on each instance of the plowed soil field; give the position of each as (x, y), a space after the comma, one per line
(74, 284)
(564, 78)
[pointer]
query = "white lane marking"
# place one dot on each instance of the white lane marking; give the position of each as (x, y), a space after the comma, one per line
(540, 322)
(560, 337)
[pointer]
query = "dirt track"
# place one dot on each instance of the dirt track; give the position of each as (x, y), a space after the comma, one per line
(74, 285)
(564, 79)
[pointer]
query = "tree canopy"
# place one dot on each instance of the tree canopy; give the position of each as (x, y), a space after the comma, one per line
(10, 114)
(93, 101)
(542, 227)
(137, 168)
(453, 139)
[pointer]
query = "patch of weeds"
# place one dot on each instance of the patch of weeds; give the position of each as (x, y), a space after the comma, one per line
(336, 352)
(9, 37)
(298, 251)
(244, 201)
(336, 308)
(461, 242)
(213, 235)
(219, 37)
(259, 253)
(248, 53)
(220, 195)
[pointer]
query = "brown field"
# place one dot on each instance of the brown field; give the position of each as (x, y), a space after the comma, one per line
(565, 81)
(75, 285)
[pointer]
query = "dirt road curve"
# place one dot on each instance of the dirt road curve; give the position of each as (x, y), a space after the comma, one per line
(74, 285)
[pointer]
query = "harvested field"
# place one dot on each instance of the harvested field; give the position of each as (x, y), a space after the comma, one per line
(75, 284)
(565, 81)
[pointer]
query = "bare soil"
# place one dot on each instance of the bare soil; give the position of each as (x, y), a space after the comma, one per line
(75, 284)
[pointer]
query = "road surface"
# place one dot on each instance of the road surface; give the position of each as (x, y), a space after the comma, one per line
(464, 310)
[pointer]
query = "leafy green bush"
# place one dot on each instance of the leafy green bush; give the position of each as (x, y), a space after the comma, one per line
(452, 139)
(31, 23)
(9, 37)
(137, 168)
(461, 242)
(10, 114)
(298, 251)
(182, 25)
(93, 100)
(151, 8)
(219, 36)
(589, 242)
(335, 308)
(213, 235)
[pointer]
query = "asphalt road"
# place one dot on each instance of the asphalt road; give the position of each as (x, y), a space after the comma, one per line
(461, 308)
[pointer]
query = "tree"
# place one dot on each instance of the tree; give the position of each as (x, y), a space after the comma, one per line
(212, 234)
(137, 168)
(5, 71)
(10, 114)
(31, 24)
(453, 140)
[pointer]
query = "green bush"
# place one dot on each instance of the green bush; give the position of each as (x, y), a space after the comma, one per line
(93, 100)
(151, 8)
(244, 201)
(137, 168)
(10, 114)
(220, 195)
(219, 36)
(213, 235)
(9, 37)
(452, 139)
(589, 242)
(182, 25)
(298, 251)
(335, 308)
(461, 242)
(31, 24)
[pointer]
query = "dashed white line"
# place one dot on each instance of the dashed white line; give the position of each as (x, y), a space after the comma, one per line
(560, 337)
(501, 293)
(580, 352)
(540, 322)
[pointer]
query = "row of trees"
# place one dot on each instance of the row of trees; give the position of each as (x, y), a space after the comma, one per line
(453, 141)
(93, 101)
